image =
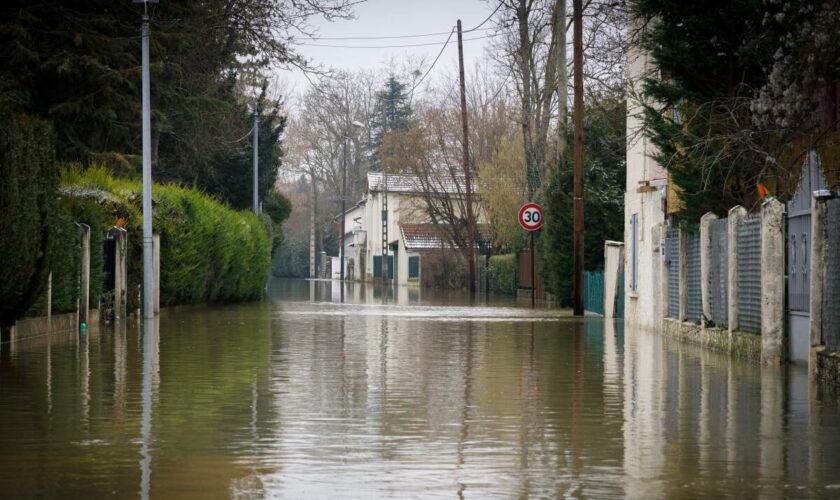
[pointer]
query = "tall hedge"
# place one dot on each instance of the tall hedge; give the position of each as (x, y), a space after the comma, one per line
(504, 273)
(27, 204)
(209, 252)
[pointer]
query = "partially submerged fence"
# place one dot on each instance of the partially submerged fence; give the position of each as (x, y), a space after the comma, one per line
(719, 272)
(672, 257)
(831, 297)
(694, 306)
(749, 274)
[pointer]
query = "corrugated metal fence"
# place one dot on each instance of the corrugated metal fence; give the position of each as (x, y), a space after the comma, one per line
(831, 299)
(593, 291)
(749, 274)
(719, 271)
(694, 305)
(672, 254)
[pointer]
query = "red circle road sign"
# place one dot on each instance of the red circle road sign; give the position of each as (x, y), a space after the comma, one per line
(530, 217)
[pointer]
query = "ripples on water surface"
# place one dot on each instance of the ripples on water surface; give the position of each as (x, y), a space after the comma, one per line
(418, 395)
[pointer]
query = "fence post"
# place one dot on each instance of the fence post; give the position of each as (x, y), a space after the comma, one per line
(734, 219)
(84, 274)
(120, 272)
(772, 281)
(683, 313)
(705, 266)
(817, 263)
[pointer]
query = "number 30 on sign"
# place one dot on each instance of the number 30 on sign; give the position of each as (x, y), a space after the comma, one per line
(530, 216)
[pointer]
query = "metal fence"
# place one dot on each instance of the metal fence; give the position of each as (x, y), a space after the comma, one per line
(719, 272)
(694, 305)
(593, 291)
(749, 274)
(831, 299)
(672, 255)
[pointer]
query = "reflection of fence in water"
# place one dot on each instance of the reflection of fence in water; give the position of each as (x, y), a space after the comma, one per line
(719, 271)
(831, 299)
(749, 274)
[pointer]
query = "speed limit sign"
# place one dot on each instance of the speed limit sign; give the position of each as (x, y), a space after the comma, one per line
(530, 217)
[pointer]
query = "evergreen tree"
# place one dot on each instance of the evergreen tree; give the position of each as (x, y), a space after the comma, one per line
(604, 180)
(708, 58)
(393, 114)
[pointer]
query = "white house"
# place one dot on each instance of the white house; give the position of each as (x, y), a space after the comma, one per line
(393, 213)
(644, 211)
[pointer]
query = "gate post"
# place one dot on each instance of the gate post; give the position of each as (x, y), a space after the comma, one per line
(84, 274)
(817, 264)
(772, 281)
(705, 266)
(735, 215)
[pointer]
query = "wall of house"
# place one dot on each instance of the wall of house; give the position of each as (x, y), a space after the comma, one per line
(642, 306)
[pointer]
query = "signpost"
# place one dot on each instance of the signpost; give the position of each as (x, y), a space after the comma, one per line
(531, 219)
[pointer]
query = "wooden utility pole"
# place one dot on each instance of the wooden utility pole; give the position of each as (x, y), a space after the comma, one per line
(578, 231)
(466, 143)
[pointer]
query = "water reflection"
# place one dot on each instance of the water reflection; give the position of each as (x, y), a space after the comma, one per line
(299, 398)
(151, 372)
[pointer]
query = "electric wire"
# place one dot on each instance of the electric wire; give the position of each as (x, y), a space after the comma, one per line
(339, 38)
(408, 45)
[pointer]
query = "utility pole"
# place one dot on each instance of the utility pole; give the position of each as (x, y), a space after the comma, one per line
(343, 200)
(148, 242)
(256, 200)
(466, 144)
(578, 230)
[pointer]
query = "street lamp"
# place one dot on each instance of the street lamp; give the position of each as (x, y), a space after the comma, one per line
(356, 125)
(148, 248)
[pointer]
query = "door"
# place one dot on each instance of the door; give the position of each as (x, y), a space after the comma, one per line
(798, 258)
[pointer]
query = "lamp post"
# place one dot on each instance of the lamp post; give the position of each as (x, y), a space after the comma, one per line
(256, 200)
(354, 124)
(148, 244)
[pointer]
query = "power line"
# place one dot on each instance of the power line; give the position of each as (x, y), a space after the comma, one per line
(390, 46)
(317, 38)
(488, 18)
(433, 62)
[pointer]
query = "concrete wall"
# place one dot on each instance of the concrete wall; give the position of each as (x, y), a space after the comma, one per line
(644, 193)
(613, 267)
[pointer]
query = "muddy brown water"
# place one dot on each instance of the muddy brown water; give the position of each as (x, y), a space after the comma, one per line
(402, 395)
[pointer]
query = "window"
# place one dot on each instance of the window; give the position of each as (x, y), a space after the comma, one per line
(413, 266)
(634, 252)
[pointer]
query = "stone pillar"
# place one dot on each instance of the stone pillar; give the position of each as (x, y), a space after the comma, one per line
(705, 266)
(156, 273)
(735, 215)
(817, 263)
(120, 237)
(772, 281)
(683, 315)
(84, 273)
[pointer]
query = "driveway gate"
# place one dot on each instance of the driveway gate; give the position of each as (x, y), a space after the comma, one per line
(798, 256)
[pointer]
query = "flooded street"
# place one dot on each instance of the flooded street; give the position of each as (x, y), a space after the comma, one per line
(418, 395)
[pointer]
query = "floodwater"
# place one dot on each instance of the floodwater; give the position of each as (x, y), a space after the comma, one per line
(413, 395)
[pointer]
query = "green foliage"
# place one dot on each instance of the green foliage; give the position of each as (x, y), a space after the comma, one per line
(278, 208)
(208, 251)
(710, 58)
(78, 66)
(504, 274)
(393, 114)
(27, 204)
(603, 205)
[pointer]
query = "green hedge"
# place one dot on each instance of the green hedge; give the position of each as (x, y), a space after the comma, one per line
(209, 252)
(27, 202)
(504, 273)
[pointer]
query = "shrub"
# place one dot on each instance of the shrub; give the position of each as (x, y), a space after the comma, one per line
(209, 252)
(27, 204)
(504, 273)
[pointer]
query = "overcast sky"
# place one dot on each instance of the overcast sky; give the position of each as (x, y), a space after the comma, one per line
(388, 18)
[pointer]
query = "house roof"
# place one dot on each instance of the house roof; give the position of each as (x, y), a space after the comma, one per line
(429, 236)
(409, 183)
